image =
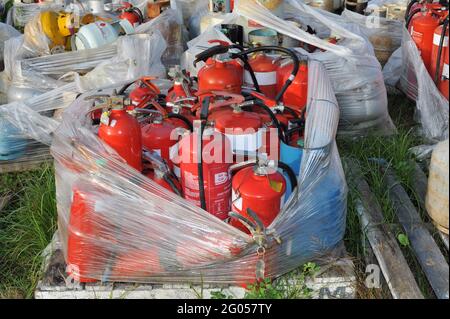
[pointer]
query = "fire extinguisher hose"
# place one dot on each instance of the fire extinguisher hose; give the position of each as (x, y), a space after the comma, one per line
(291, 111)
(288, 170)
(294, 59)
(124, 88)
(201, 183)
(273, 118)
(441, 45)
(182, 118)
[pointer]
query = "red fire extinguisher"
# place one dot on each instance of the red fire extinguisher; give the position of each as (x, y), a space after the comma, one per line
(440, 58)
(421, 25)
(160, 135)
(204, 165)
(121, 131)
(131, 13)
(265, 69)
(144, 92)
(221, 73)
(297, 93)
(259, 188)
(84, 250)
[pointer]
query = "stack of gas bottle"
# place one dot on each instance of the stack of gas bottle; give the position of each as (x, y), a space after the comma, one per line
(229, 140)
(427, 23)
(79, 28)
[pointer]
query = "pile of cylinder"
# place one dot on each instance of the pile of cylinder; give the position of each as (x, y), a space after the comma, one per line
(427, 23)
(229, 140)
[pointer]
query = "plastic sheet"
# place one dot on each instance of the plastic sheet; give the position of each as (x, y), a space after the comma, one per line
(170, 25)
(6, 32)
(432, 109)
(384, 34)
(30, 74)
(136, 231)
(138, 55)
(352, 67)
(22, 13)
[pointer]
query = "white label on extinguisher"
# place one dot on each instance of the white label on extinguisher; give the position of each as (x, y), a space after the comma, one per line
(236, 200)
(263, 78)
(437, 40)
(445, 71)
(246, 142)
(113, 123)
(220, 178)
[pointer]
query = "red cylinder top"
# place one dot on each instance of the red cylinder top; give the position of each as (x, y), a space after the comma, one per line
(221, 76)
(235, 120)
(124, 135)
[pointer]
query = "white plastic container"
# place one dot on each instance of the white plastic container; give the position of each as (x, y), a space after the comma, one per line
(437, 195)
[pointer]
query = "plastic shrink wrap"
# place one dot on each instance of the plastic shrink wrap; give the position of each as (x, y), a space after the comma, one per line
(352, 67)
(384, 34)
(138, 55)
(27, 73)
(6, 32)
(22, 13)
(431, 106)
(133, 230)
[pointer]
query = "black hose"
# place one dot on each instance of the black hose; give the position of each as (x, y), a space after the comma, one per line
(172, 185)
(441, 45)
(294, 58)
(291, 131)
(182, 118)
(201, 184)
(124, 88)
(288, 170)
(408, 20)
(408, 8)
(291, 111)
(273, 118)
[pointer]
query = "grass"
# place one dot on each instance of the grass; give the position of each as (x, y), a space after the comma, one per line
(28, 222)
(395, 151)
(27, 225)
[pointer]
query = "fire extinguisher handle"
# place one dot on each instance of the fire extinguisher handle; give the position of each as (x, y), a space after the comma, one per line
(208, 53)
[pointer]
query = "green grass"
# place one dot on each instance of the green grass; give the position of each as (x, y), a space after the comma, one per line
(27, 225)
(395, 151)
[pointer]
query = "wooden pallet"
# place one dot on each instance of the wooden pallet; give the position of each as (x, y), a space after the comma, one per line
(336, 279)
(23, 164)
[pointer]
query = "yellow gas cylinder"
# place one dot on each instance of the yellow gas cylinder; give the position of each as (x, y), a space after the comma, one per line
(50, 27)
(437, 196)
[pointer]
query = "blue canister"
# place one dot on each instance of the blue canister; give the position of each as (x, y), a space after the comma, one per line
(12, 143)
(291, 156)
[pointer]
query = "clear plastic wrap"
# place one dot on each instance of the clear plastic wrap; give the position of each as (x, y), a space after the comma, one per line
(384, 34)
(30, 74)
(137, 55)
(137, 231)
(6, 32)
(352, 67)
(22, 13)
(173, 30)
(431, 106)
